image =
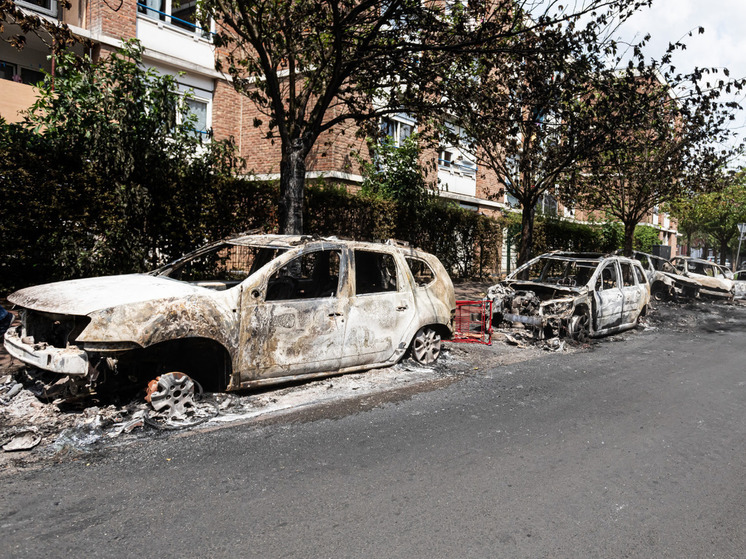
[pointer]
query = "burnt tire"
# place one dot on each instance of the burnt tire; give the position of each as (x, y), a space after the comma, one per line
(660, 292)
(579, 327)
(426, 346)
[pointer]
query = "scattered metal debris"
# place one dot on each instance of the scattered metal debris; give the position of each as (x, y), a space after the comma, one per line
(25, 439)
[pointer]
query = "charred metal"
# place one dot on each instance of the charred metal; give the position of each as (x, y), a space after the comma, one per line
(572, 295)
(247, 311)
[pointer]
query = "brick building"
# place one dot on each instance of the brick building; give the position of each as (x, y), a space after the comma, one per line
(175, 45)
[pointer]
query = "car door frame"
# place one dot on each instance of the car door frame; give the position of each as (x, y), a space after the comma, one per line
(377, 323)
(296, 336)
(609, 302)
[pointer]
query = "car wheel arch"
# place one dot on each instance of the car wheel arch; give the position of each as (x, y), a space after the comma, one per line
(204, 359)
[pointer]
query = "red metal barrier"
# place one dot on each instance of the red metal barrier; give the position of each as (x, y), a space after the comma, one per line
(473, 322)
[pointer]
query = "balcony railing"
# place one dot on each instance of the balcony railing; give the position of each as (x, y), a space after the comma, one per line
(158, 15)
(464, 168)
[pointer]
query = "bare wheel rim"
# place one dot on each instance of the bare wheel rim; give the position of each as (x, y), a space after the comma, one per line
(580, 327)
(660, 294)
(426, 346)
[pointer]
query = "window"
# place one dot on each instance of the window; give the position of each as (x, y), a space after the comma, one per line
(309, 276)
(608, 278)
(375, 272)
(8, 71)
(179, 13)
(627, 274)
(48, 7)
(423, 274)
(641, 278)
(227, 263)
(199, 109)
(452, 159)
(31, 77)
(547, 204)
(396, 129)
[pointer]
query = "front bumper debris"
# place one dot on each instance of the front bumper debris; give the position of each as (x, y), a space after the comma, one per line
(70, 360)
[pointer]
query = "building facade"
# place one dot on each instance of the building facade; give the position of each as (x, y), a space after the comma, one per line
(174, 44)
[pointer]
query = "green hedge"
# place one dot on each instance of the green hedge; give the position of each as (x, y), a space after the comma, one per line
(552, 233)
(48, 232)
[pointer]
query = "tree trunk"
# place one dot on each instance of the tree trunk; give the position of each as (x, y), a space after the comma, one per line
(527, 234)
(723, 251)
(629, 237)
(292, 187)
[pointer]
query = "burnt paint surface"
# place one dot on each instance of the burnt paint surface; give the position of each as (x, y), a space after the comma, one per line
(611, 309)
(265, 340)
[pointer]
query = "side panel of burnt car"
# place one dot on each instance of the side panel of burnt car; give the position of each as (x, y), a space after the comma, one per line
(280, 332)
(378, 322)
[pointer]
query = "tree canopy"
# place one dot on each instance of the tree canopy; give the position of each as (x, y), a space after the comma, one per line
(310, 65)
(664, 137)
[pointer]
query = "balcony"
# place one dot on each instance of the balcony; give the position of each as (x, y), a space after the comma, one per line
(459, 176)
(172, 31)
(15, 97)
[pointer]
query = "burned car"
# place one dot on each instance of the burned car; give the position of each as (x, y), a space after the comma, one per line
(665, 281)
(573, 295)
(739, 284)
(714, 280)
(247, 311)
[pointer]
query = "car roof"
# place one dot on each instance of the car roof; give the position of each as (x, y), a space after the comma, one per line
(699, 260)
(582, 256)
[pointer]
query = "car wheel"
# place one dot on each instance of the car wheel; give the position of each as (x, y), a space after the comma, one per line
(426, 346)
(579, 328)
(660, 292)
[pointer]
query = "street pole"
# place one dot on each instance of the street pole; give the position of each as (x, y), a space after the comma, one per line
(741, 231)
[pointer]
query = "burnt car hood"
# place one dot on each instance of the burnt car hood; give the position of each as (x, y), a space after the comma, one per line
(679, 278)
(546, 291)
(84, 296)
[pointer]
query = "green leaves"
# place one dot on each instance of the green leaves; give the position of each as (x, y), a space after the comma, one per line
(118, 181)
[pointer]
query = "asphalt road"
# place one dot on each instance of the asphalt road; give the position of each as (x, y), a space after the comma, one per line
(636, 448)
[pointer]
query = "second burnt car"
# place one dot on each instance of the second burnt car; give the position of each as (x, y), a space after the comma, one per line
(575, 295)
(666, 282)
(714, 280)
(247, 311)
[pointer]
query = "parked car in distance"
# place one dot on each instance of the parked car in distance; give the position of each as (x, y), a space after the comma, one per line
(713, 279)
(574, 295)
(665, 281)
(243, 312)
(739, 284)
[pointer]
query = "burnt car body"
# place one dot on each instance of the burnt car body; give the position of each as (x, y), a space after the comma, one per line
(574, 295)
(247, 311)
(739, 284)
(714, 280)
(665, 281)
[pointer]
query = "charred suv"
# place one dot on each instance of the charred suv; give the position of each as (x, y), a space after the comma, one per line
(573, 295)
(666, 283)
(714, 280)
(247, 311)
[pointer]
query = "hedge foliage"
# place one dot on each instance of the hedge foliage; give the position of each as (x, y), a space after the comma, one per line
(552, 233)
